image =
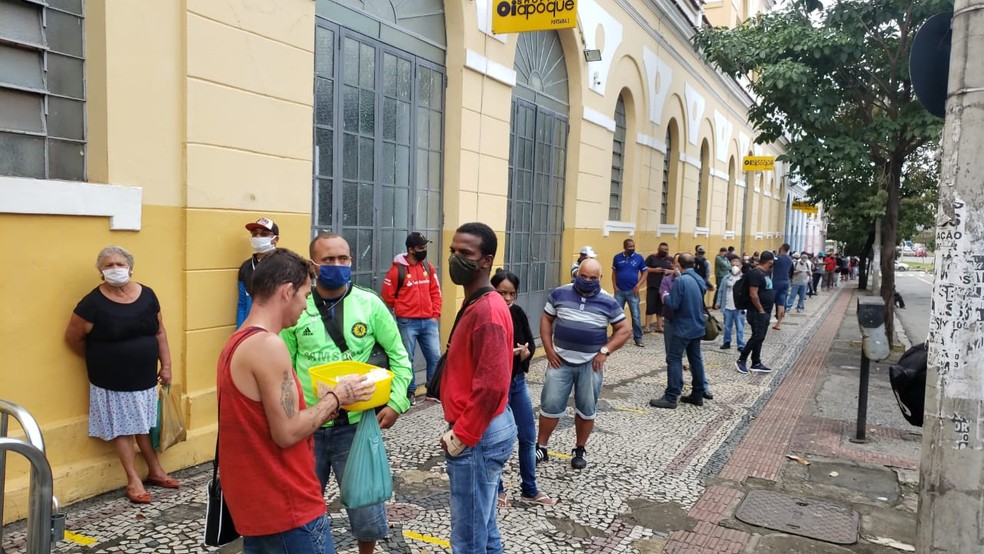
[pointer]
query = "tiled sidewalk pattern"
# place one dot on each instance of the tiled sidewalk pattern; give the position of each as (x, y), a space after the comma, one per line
(638, 456)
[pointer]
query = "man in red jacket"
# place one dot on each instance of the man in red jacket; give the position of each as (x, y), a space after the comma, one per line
(411, 289)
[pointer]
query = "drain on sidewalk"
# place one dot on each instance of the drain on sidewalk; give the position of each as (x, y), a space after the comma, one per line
(800, 516)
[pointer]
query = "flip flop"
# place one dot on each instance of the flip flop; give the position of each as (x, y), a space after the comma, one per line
(166, 483)
(540, 498)
(502, 502)
(142, 498)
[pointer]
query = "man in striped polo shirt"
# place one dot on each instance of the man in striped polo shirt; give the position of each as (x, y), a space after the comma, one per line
(574, 330)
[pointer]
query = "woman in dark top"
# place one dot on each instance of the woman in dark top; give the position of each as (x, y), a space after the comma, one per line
(506, 283)
(117, 328)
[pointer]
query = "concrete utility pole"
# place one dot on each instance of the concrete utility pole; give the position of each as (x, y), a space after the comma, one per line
(951, 490)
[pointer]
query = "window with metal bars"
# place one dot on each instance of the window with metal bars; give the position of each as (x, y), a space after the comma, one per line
(618, 163)
(664, 205)
(42, 89)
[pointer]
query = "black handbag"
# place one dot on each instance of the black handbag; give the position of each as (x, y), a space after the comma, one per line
(219, 527)
(434, 384)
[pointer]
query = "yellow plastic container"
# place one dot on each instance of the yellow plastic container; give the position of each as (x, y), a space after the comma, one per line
(330, 372)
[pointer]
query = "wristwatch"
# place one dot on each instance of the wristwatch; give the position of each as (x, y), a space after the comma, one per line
(604, 350)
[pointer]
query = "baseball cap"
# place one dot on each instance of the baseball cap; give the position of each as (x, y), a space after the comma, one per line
(265, 223)
(700, 250)
(589, 252)
(767, 256)
(416, 240)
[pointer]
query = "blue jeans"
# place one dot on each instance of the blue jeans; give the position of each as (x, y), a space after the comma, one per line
(557, 385)
(522, 409)
(674, 367)
(331, 450)
(425, 332)
(736, 319)
(623, 296)
(313, 538)
(474, 476)
(667, 339)
(798, 290)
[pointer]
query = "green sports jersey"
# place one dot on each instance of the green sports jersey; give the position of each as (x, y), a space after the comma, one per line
(367, 321)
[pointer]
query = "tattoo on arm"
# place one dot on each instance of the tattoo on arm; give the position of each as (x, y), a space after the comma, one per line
(288, 394)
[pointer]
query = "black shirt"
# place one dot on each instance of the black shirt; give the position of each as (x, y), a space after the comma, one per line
(766, 294)
(521, 335)
(246, 273)
(121, 351)
(654, 278)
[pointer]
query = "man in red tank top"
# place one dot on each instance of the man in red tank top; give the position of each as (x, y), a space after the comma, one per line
(266, 456)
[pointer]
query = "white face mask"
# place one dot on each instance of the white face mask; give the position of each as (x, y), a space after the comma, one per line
(262, 245)
(735, 270)
(117, 276)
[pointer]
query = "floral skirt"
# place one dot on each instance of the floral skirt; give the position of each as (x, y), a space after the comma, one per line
(119, 413)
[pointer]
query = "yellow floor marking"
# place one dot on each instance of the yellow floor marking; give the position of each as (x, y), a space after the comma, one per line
(635, 410)
(427, 539)
(559, 455)
(80, 539)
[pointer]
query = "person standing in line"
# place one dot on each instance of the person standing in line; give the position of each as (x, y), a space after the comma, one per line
(506, 283)
(829, 267)
(817, 264)
(659, 265)
(782, 270)
(362, 322)
(722, 270)
(628, 275)
(265, 448)
(733, 317)
(763, 297)
(574, 331)
(263, 237)
(802, 271)
(586, 252)
(686, 299)
(411, 289)
(475, 394)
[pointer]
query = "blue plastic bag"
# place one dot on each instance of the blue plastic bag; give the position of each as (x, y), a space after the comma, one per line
(367, 479)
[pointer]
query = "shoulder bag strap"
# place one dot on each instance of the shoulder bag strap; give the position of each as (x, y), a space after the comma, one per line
(330, 320)
(471, 300)
(215, 461)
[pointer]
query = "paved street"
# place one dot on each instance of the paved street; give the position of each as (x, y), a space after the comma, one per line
(656, 480)
(916, 288)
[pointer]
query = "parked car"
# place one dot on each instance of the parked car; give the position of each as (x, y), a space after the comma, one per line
(899, 266)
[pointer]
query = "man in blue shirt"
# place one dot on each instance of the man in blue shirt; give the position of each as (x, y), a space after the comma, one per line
(686, 299)
(782, 270)
(629, 274)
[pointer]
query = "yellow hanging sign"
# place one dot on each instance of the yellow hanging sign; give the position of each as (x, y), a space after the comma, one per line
(806, 208)
(517, 16)
(758, 163)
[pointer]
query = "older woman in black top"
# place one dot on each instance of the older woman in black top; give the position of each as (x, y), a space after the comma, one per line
(506, 283)
(117, 328)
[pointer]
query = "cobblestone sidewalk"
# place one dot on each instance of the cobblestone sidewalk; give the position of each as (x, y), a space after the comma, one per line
(647, 468)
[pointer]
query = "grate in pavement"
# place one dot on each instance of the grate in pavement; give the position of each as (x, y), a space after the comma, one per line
(800, 516)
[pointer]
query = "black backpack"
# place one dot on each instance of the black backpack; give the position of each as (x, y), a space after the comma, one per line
(908, 379)
(743, 300)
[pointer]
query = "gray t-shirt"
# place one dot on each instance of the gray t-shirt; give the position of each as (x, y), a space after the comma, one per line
(801, 272)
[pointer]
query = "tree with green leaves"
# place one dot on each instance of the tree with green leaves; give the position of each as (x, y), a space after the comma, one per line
(833, 80)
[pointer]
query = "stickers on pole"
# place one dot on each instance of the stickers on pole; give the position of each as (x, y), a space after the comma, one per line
(517, 16)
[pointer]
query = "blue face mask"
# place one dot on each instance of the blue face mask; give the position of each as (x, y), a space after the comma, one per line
(587, 287)
(334, 277)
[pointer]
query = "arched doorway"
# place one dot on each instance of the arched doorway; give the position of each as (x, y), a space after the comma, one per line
(537, 169)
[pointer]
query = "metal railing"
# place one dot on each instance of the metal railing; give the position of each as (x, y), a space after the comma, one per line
(45, 525)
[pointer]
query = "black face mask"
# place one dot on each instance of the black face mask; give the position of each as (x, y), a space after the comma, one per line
(630, 251)
(662, 253)
(462, 270)
(420, 256)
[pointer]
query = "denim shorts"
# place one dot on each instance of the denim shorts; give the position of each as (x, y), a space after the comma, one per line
(557, 385)
(312, 538)
(782, 290)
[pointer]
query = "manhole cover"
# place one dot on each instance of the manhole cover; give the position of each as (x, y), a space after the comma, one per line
(800, 516)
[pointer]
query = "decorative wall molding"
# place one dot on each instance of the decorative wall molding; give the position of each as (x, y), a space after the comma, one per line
(743, 142)
(493, 70)
(651, 142)
(758, 236)
(122, 204)
(665, 229)
(729, 234)
(723, 130)
(701, 232)
(599, 119)
(590, 16)
(659, 77)
(618, 227)
(695, 112)
(720, 175)
(484, 15)
(690, 160)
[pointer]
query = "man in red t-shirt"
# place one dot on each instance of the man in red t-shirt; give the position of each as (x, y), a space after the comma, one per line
(475, 389)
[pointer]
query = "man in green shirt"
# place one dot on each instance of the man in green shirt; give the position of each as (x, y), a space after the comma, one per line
(364, 321)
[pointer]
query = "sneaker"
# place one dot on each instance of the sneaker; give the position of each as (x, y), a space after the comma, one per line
(741, 367)
(741, 347)
(578, 461)
(691, 399)
(639, 344)
(663, 403)
(725, 346)
(759, 368)
(412, 397)
(541, 454)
